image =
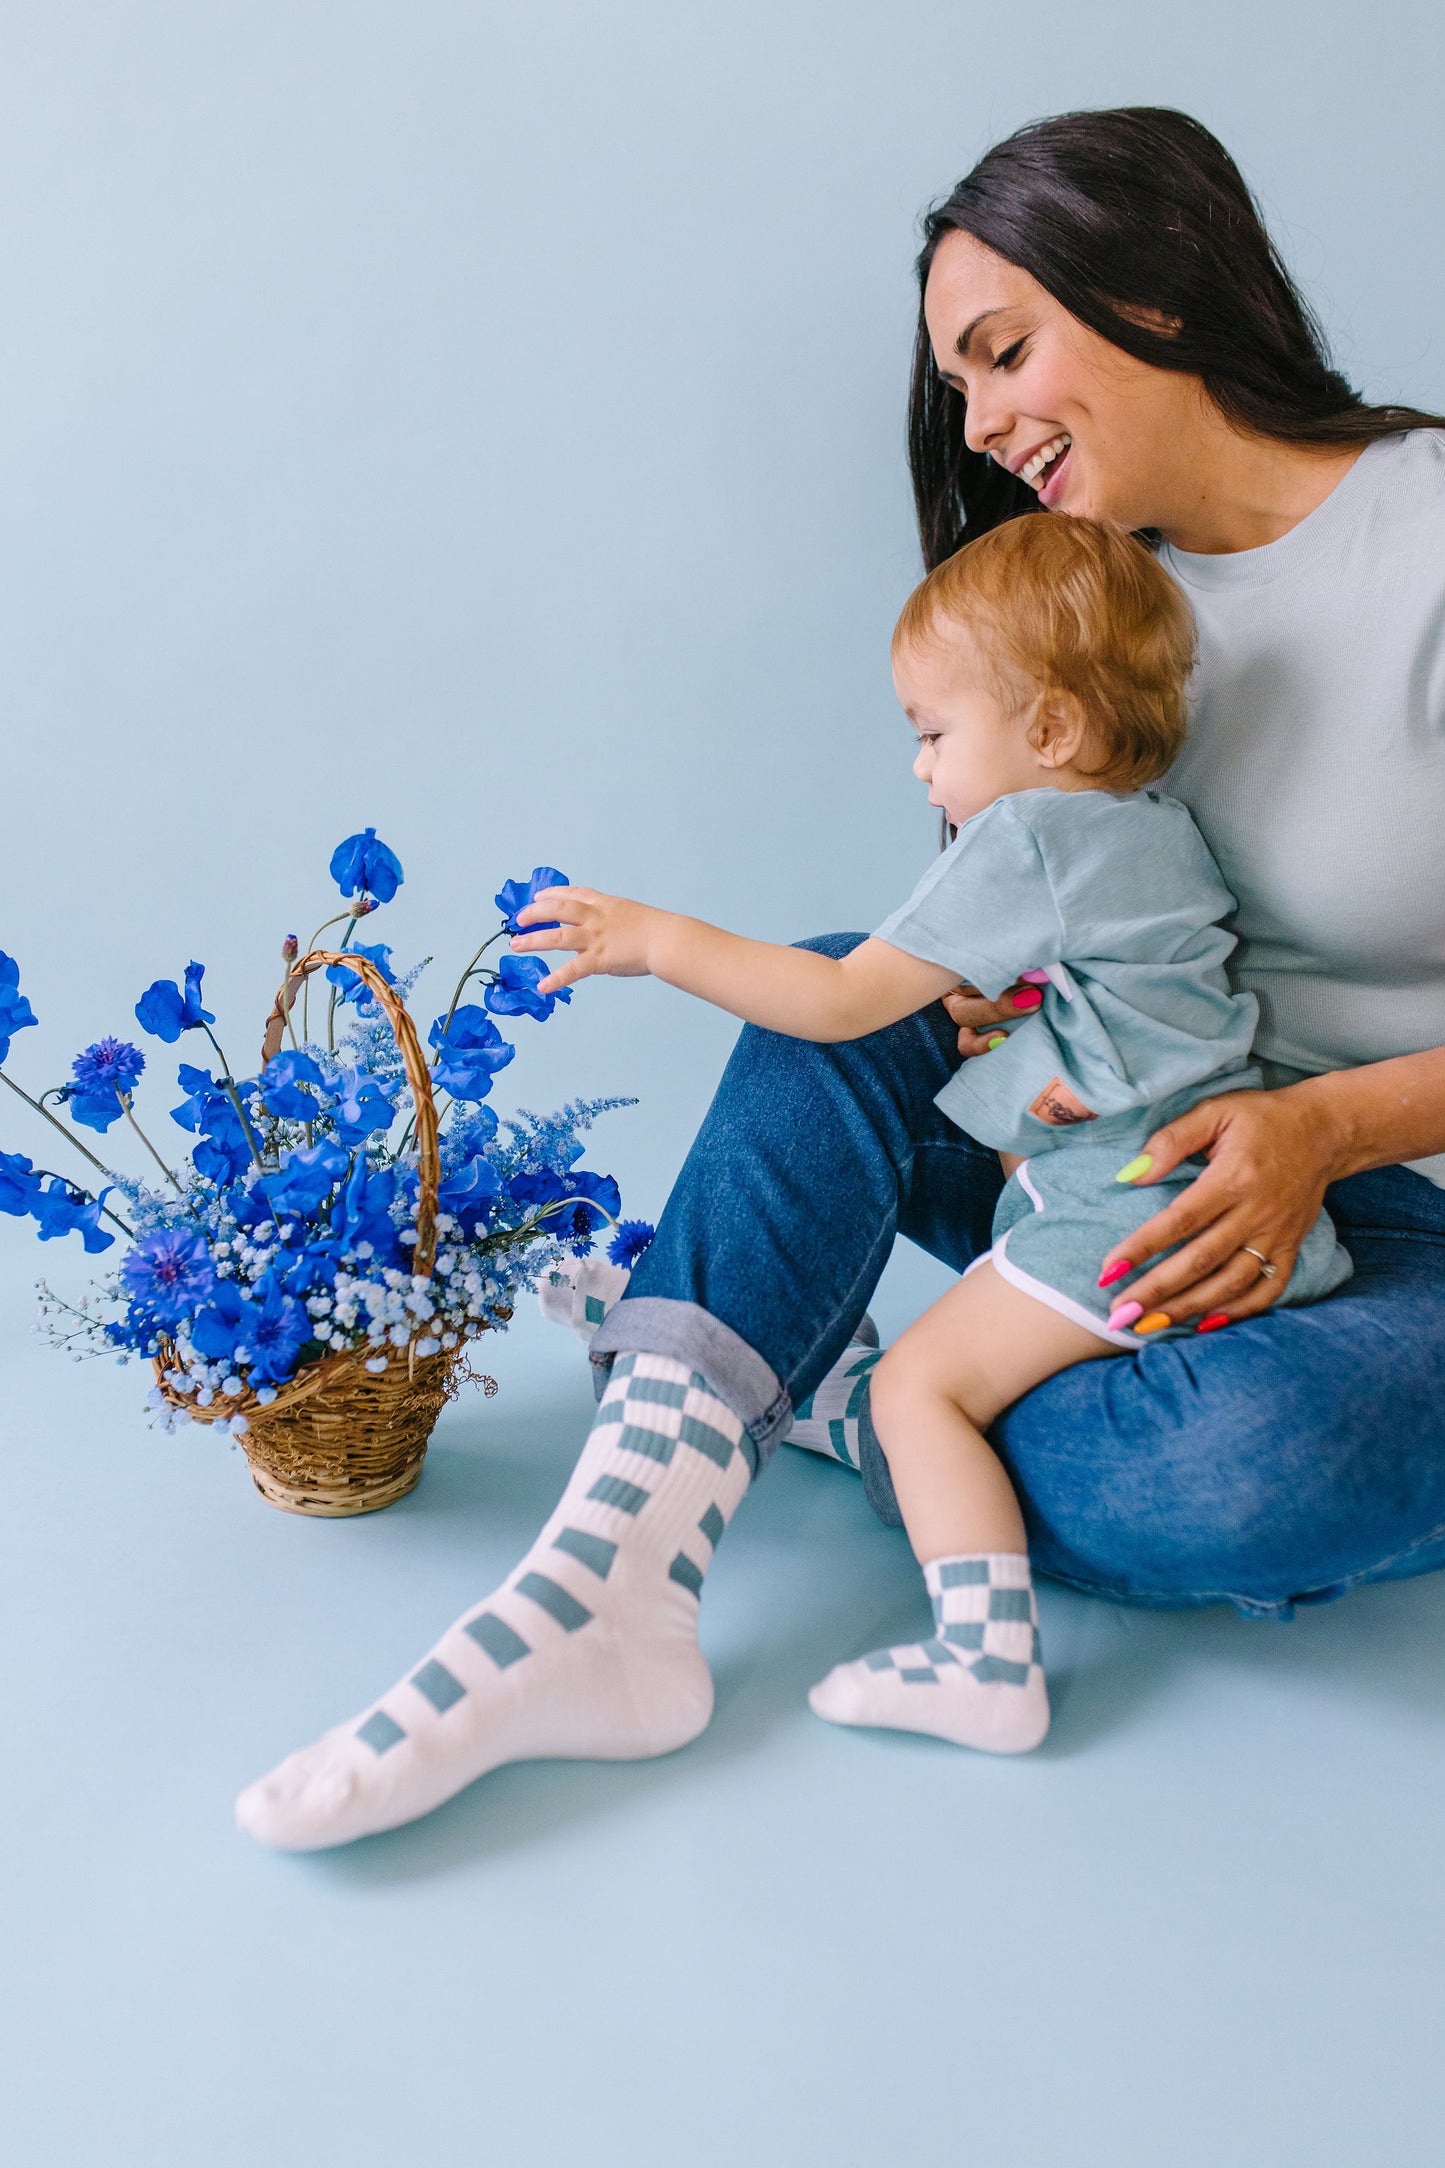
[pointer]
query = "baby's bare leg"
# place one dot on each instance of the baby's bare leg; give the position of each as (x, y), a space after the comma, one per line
(980, 1348)
(978, 1681)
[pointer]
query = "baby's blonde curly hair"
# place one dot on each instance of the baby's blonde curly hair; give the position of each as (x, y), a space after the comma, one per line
(1071, 605)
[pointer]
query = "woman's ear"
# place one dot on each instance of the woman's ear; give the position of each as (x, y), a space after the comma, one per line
(1059, 728)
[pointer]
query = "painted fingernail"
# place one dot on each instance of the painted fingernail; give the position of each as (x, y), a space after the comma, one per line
(1154, 1322)
(1000, 1038)
(1135, 1168)
(1212, 1323)
(1036, 978)
(1119, 1270)
(1030, 998)
(1122, 1318)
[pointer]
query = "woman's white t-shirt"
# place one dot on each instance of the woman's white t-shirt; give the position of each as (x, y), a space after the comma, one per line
(1315, 764)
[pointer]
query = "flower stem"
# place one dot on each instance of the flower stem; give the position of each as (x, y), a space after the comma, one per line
(48, 1174)
(228, 1087)
(60, 1126)
(462, 982)
(306, 988)
(173, 1179)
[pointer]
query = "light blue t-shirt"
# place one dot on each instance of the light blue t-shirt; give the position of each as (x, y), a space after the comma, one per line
(1117, 897)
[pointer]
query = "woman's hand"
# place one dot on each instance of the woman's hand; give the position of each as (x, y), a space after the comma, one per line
(609, 934)
(1270, 1161)
(978, 1020)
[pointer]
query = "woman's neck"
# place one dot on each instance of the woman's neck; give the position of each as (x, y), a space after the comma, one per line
(1238, 492)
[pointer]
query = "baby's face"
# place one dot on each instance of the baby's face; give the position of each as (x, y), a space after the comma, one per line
(972, 748)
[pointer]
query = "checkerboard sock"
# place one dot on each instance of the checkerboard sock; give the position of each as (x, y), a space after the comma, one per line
(979, 1682)
(827, 1421)
(589, 1649)
(581, 1297)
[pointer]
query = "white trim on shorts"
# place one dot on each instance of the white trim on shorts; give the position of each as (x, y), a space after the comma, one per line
(1051, 1297)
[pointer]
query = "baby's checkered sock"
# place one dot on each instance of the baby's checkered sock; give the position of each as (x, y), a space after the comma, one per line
(979, 1682)
(588, 1650)
(827, 1421)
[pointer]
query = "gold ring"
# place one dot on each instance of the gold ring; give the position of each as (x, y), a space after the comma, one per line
(1267, 1271)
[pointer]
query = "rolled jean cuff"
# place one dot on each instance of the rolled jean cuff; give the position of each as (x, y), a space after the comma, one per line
(657, 1325)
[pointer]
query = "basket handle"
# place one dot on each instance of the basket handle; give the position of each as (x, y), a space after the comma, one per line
(418, 1076)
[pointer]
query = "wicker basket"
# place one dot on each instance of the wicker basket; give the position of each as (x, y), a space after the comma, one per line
(339, 1438)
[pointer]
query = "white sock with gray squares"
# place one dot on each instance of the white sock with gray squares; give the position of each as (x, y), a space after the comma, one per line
(979, 1682)
(580, 1296)
(588, 1650)
(827, 1421)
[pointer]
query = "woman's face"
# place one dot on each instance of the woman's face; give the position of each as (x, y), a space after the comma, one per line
(1094, 431)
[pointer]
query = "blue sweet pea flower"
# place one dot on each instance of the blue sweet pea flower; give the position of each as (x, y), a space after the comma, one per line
(18, 1183)
(470, 1051)
(351, 985)
(363, 1107)
(313, 1269)
(224, 1151)
(517, 995)
(629, 1242)
(102, 1073)
(61, 1210)
(306, 1180)
(362, 1213)
(214, 1328)
(170, 1273)
(165, 1012)
(271, 1333)
(15, 1010)
(469, 1192)
(536, 1188)
(514, 896)
(283, 1082)
(364, 864)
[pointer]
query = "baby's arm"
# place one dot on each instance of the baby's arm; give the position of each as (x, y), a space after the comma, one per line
(795, 991)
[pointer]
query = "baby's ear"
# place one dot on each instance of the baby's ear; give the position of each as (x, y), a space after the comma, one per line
(1059, 728)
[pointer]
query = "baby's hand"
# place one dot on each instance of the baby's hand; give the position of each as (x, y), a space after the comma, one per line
(609, 934)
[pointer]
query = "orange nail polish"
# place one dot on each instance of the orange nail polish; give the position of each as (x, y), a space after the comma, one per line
(1154, 1322)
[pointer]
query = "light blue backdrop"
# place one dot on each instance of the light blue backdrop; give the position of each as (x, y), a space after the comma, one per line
(485, 421)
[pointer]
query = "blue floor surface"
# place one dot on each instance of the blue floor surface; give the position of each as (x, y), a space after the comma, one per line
(1202, 1925)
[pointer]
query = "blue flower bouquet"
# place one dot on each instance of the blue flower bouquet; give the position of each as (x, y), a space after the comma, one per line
(349, 1219)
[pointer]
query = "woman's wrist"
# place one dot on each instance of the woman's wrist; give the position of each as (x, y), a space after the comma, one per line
(1377, 1115)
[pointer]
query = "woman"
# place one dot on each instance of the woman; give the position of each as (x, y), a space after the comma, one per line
(1105, 330)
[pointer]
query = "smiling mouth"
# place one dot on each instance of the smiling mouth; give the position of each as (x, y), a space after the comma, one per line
(1040, 465)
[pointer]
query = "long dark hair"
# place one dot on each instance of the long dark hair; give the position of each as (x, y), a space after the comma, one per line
(1139, 209)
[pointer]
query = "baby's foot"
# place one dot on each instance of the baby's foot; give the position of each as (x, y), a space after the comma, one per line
(979, 1683)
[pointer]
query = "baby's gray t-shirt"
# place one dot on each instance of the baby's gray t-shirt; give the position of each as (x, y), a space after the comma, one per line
(1315, 764)
(1117, 897)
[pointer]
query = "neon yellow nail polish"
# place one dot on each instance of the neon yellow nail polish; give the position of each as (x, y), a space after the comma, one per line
(1000, 1038)
(1135, 1168)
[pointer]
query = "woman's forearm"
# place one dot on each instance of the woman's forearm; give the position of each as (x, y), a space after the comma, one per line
(1382, 1113)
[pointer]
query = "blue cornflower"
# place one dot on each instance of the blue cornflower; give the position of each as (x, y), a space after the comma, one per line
(102, 1073)
(271, 1333)
(61, 1210)
(469, 1191)
(282, 1082)
(364, 863)
(170, 1272)
(306, 1180)
(629, 1242)
(599, 1186)
(15, 1010)
(18, 1183)
(514, 896)
(517, 994)
(352, 986)
(363, 1107)
(165, 1012)
(471, 1050)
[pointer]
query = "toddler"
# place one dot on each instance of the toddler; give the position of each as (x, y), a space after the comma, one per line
(1043, 669)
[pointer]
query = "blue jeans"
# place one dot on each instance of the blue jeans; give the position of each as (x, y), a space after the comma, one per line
(1280, 1462)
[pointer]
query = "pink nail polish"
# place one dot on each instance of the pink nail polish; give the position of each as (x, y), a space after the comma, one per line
(1119, 1270)
(1030, 998)
(1121, 1319)
(1036, 978)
